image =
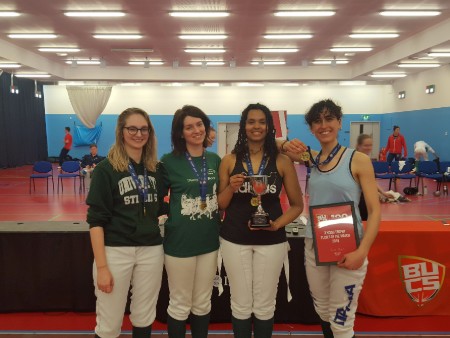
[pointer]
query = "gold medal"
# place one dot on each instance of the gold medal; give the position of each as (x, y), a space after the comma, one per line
(254, 201)
(203, 205)
(305, 156)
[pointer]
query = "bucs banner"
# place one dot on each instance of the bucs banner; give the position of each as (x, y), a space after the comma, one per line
(407, 271)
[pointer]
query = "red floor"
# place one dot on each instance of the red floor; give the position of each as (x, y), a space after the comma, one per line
(17, 204)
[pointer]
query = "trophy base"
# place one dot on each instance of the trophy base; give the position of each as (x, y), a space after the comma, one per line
(260, 221)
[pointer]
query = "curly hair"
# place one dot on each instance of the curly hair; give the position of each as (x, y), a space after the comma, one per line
(324, 106)
(118, 156)
(270, 146)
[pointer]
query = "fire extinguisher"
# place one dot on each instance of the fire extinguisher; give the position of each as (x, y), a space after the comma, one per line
(382, 155)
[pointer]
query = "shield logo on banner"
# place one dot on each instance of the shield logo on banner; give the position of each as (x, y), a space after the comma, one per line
(422, 278)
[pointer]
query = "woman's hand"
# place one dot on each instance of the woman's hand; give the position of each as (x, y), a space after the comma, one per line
(273, 226)
(105, 281)
(295, 146)
(353, 260)
(236, 181)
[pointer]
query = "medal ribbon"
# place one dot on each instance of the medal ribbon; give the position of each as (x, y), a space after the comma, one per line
(143, 191)
(250, 167)
(202, 177)
(333, 153)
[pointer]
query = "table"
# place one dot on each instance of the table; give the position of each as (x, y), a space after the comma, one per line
(407, 271)
(47, 266)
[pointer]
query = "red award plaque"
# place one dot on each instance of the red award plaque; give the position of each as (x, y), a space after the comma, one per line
(335, 231)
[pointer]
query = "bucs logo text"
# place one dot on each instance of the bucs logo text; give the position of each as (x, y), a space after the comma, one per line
(422, 278)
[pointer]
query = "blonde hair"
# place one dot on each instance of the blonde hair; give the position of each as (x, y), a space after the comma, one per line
(118, 156)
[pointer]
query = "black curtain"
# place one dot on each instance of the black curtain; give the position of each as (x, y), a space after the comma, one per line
(23, 137)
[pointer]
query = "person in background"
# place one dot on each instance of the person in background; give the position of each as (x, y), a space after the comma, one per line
(338, 174)
(90, 160)
(67, 146)
(364, 144)
(124, 202)
(421, 149)
(396, 144)
(191, 233)
(211, 136)
(253, 257)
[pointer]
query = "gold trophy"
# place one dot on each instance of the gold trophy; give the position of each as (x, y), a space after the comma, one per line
(259, 184)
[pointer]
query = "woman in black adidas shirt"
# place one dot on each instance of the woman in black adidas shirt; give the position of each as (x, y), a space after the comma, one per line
(124, 203)
(253, 258)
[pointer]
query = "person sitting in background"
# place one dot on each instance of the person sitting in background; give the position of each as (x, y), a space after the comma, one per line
(211, 136)
(92, 159)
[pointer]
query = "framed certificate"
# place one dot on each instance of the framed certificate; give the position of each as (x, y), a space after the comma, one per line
(335, 231)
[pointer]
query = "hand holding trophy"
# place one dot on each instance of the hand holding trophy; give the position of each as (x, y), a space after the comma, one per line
(259, 184)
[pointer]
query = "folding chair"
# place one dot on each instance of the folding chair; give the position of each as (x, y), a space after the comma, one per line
(70, 169)
(42, 169)
(382, 171)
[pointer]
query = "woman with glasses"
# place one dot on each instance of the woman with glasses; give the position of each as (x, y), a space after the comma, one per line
(254, 249)
(191, 232)
(124, 202)
(338, 174)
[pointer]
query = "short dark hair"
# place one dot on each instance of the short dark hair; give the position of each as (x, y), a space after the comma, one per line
(395, 127)
(67, 128)
(93, 145)
(321, 107)
(178, 141)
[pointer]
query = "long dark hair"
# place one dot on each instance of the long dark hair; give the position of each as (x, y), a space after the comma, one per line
(270, 146)
(178, 141)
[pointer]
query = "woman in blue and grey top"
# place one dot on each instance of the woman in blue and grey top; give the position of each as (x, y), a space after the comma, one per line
(253, 258)
(339, 174)
(124, 202)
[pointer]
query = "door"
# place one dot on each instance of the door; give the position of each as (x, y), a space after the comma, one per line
(369, 128)
(227, 135)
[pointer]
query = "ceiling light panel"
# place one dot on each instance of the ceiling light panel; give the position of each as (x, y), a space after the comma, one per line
(118, 36)
(277, 50)
(32, 75)
(141, 63)
(287, 36)
(373, 35)
(9, 65)
(4, 14)
(59, 49)
(409, 13)
(439, 54)
(94, 14)
(304, 13)
(419, 65)
(268, 63)
(84, 62)
(329, 62)
(205, 50)
(33, 36)
(202, 36)
(350, 49)
(199, 14)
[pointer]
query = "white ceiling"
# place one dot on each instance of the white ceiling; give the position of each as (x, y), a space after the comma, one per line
(249, 20)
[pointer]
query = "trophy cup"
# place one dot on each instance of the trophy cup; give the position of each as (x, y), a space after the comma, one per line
(260, 218)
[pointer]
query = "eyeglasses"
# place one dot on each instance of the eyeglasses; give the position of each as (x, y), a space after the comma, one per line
(134, 130)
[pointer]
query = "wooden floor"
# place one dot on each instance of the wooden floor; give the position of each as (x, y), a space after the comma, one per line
(18, 205)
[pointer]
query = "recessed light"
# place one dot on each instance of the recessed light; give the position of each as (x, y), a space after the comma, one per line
(287, 36)
(32, 36)
(202, 36)
(350, 49)
(205, 50)
(304, 13)
(410, 13)
(329, 62)
(9, 65)
(32, 75)
(374, 35)
(439, 54)
(96, 14)
(419, 65)
(387, 75)
(208, 63)
(59, 49)
(9, 14)
(199, 14)
(277, 50)
(141, 63)
(268, 63)
(118, 36)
